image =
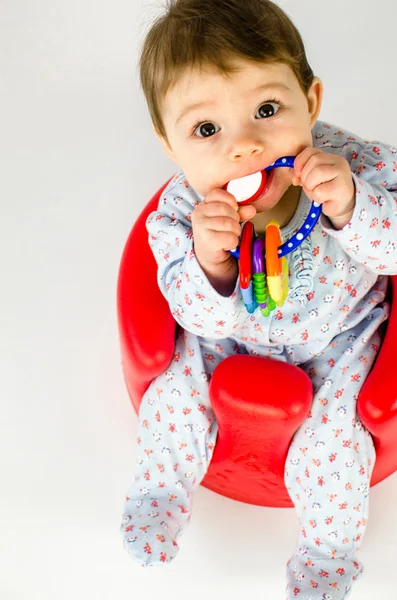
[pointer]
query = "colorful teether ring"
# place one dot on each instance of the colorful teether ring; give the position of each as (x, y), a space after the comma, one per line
(303, 232)
(274, 266)
(285, 281)
(245, 254)
(298, 237)
(246, 284)
(259, 286)
(258, 274)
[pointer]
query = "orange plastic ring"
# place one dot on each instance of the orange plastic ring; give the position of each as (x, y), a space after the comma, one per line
(274, 265)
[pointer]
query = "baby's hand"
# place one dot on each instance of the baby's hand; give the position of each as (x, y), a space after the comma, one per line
(327, 180)
(216, 227)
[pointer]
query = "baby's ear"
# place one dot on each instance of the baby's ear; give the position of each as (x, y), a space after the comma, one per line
(315, 98)
(165, 144)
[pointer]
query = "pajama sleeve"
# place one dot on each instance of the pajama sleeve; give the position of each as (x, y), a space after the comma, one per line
(193, 302)
(371, 235)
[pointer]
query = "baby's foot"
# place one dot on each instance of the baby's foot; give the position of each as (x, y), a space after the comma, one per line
(149, 535)
(321, 579)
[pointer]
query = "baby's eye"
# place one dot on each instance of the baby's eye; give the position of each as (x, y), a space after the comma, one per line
(206, 129)
(268, 109)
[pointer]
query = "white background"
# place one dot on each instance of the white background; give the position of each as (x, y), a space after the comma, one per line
(78, 162)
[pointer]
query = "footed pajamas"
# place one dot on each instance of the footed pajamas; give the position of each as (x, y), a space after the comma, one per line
(329, 325)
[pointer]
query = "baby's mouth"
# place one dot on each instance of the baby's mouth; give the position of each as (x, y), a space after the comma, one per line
(251, 187)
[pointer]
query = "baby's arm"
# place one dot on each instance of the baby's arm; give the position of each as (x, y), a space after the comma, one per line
(371, 235)
(194, 303)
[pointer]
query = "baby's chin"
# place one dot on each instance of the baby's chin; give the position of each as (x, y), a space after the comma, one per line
(281, 207)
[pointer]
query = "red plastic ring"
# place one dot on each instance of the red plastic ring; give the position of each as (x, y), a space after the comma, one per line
(246, 254)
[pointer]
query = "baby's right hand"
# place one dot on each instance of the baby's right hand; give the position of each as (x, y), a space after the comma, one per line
(216, 227)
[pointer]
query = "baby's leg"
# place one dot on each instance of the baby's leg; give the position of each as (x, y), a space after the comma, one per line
(328, 471)
(176, 438)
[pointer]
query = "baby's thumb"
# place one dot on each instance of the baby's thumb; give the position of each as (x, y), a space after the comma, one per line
(246, 212)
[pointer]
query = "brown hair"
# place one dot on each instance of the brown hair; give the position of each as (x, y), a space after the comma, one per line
(198, 33)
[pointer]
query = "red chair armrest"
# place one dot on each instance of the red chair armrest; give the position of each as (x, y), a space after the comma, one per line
(146, 326)
(377, 404)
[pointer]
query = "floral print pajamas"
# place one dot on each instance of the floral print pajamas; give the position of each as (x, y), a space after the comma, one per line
(330, 325)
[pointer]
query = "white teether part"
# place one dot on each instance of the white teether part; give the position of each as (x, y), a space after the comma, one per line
(245, 187)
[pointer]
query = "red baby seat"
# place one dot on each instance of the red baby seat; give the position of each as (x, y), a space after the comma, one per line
(255, 430)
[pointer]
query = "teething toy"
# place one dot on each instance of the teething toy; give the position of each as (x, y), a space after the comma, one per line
(265, 281)
(260, 285)
(274, 269)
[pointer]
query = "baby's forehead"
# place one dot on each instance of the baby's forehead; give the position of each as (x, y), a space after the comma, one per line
(205, 85)
(240, 73)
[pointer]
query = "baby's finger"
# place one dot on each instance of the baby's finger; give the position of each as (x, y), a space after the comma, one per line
(219, 195)
(224, 240)
(318, 175)
(302, 159)
(316, 164)
(222, 223)
(219, 208)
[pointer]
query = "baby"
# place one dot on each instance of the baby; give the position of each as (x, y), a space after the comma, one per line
(229, 91)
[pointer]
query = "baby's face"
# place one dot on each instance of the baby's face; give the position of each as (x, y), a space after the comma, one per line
(244, 123)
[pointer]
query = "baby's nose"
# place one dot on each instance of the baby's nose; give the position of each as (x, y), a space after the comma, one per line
(245, 152)
(245, 146)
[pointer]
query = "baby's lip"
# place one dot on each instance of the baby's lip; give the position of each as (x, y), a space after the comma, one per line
(260, 170)
(246, 174)
(244, 191)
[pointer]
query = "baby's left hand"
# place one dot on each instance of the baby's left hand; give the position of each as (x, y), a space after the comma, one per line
(327, 180)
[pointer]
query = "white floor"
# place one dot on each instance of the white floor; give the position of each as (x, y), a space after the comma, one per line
(60, 539)
(78, 162)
